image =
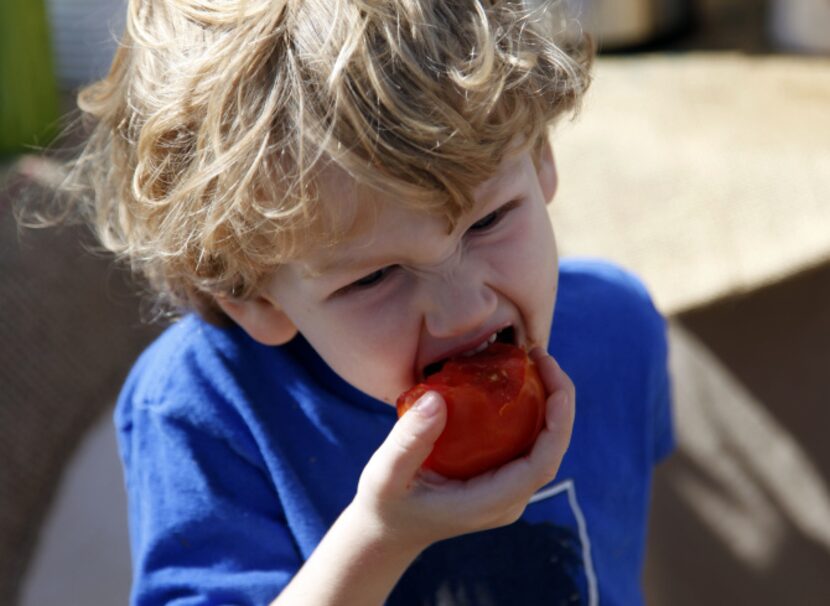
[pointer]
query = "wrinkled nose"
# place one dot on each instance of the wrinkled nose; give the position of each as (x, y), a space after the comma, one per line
(457, 306)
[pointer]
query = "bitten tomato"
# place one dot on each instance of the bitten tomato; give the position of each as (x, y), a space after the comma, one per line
(495, 410)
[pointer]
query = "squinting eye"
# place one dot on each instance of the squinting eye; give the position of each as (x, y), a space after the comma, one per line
(486, 222)
(371, 279)
(491, 220)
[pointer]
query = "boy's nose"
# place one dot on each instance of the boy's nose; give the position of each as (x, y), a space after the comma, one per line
(458, 306)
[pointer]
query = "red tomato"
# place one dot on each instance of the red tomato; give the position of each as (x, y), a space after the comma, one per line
(495, 410)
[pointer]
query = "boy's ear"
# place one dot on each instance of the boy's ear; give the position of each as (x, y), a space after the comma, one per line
(262, 319)
(548, 178)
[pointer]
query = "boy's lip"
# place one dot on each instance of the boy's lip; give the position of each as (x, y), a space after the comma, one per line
(468, 345)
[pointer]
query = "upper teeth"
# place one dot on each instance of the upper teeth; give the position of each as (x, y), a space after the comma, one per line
(482, 347)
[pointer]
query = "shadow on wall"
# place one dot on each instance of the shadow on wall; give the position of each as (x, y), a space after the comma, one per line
(742, 511)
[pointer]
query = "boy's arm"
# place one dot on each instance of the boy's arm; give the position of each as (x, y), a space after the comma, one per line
(399, 510)
(353, 564)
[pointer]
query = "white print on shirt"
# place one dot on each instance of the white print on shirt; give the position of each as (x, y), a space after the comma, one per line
(567, 487)
(542, 558)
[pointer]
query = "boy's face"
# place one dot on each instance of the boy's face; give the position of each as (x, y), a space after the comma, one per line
(402, 293)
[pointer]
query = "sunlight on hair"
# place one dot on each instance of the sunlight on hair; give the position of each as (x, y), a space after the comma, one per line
(218, 115)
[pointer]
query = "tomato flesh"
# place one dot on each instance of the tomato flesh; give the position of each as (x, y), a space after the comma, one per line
(495, 410)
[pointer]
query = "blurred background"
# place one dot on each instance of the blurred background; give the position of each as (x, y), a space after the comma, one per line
(700, 160)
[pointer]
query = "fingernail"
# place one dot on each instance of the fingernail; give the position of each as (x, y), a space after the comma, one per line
(427, 404)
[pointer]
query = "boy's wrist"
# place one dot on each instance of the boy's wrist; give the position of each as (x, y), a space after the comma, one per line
(357, 563)
(380, 537)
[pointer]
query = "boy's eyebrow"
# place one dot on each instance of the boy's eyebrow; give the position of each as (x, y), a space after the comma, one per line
(496, 188)
(335, 264)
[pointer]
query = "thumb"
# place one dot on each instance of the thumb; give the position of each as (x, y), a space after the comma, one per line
(394, 465)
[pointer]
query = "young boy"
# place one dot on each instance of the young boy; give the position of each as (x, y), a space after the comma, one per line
(349, 192)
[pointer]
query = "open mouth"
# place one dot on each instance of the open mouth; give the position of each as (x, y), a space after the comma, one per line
(506, 335)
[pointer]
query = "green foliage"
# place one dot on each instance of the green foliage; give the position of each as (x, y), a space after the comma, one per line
(28, 90)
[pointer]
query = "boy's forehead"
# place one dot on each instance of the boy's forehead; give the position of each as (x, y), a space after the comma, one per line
(351, 208)
(362, 217)
(350, 213)
(375, 232)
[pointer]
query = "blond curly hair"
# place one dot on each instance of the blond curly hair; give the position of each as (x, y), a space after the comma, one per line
(217, 114)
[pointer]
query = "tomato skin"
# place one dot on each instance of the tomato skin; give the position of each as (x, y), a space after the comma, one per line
(495, 410)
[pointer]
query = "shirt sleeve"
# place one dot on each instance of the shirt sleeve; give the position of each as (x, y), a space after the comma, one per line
(660, 404)
(206, 525)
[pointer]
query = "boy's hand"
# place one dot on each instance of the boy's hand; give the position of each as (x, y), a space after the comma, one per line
(400, 509)
(414, 507)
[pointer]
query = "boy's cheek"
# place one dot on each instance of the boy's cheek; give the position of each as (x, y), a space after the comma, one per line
(379, 368)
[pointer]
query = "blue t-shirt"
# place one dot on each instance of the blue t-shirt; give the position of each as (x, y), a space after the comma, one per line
(238, 457)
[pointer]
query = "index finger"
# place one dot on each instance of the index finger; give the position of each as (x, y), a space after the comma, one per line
(553, 377)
